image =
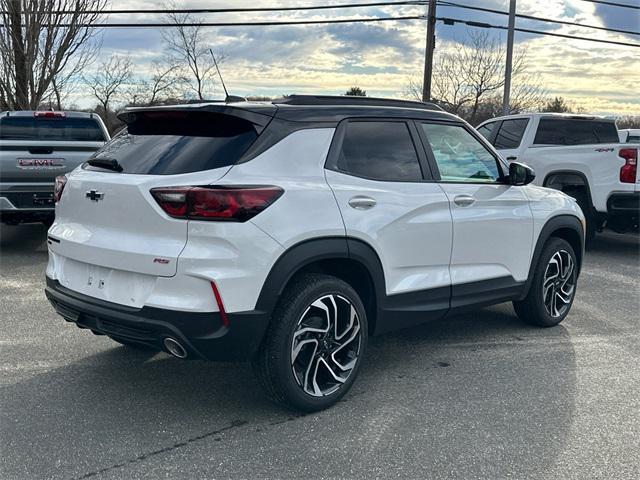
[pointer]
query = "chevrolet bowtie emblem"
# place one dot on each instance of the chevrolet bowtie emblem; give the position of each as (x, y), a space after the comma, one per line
(94, 195)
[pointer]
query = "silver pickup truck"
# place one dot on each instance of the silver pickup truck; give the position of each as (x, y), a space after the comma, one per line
(36, 147)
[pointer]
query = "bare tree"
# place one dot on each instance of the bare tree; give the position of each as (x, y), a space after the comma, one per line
(467, 79)
(165, 82)
(187, 47)
(628, 121)
(449, 85)
(43, 40)
(356, 92)
(108, 84)
(557, 105)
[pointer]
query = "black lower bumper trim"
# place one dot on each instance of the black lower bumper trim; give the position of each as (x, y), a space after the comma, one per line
(202, 334)
(627, 203)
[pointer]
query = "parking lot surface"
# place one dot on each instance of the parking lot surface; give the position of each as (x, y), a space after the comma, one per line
(475, 396)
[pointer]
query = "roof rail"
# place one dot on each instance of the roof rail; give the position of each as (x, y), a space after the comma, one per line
(353, 100)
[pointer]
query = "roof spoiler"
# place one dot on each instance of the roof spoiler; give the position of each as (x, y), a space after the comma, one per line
(260, 120)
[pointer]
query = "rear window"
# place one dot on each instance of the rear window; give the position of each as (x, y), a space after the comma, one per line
(552, 131)
(170, 143)
(379, 151)
(64, 129)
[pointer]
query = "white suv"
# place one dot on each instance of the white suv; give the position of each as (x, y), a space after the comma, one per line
(288, 232)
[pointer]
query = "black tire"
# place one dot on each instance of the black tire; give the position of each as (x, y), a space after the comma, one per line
(273, 363)
(589, 214)
(533, 309)
(131, 344)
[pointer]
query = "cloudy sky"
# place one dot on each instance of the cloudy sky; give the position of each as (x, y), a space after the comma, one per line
(382, 57)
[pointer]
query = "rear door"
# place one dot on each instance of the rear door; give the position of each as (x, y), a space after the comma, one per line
(492, 220)
(108, 222)
(383, 187)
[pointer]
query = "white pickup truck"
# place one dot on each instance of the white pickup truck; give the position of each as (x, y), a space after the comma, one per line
(580, 155)
(35, 147)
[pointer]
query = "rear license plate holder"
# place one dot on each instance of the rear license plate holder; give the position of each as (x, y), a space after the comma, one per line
(43, 199)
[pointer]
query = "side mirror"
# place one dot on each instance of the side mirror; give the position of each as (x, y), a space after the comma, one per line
(520, 174)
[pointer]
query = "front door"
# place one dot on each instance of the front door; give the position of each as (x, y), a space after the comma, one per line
(492, 220)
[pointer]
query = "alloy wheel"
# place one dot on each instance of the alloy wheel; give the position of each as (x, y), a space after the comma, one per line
(325, 345)
(559, 283)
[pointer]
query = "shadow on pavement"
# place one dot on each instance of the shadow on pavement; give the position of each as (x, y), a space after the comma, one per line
(615, 245)
(482, 386)
(23, 238)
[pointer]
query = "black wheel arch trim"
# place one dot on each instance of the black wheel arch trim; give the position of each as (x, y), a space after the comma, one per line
(553, 225)
(296, 257)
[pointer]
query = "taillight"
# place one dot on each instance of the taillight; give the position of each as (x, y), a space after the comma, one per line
(235, 204)
(628, 170)
(58, 187)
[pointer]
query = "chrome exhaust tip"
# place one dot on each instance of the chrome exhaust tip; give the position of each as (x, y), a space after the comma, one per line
(174, 347)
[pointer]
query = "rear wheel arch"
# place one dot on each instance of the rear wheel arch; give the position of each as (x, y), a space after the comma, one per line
(566, 227)
(349, 259)
(567, 181)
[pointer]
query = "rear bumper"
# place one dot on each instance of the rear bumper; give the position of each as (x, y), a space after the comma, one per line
(26, 197)
(624, 204)
(202, 334)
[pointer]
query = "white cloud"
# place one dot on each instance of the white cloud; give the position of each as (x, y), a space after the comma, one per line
(380, 57)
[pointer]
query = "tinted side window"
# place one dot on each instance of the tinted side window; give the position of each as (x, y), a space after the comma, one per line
(487, 129)
(510, 133)
(553, 131)
(459, 155)
(380, 151)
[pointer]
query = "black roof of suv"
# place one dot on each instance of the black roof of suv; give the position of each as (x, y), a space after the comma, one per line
(312, 108)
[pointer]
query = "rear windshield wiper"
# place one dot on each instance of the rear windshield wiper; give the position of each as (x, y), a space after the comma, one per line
(107, 163)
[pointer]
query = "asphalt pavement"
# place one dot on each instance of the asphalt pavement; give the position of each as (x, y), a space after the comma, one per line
(475, 396)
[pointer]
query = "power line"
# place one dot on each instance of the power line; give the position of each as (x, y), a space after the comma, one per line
(237, 24)
(614, 4)
(540, 19)
(244, 9)
(471, 23)
(446, 20)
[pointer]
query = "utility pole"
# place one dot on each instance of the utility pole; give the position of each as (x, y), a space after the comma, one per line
(428, 52)
(509, 62)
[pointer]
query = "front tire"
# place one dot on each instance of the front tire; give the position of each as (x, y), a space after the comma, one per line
(313, 348)
(553, 289)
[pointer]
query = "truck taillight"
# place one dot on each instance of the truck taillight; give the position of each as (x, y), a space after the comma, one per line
(220, 203)
(628, 170)
(58, 187)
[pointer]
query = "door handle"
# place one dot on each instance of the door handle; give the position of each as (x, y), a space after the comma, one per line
(511, 158)
(464, 200)
(361, 202)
